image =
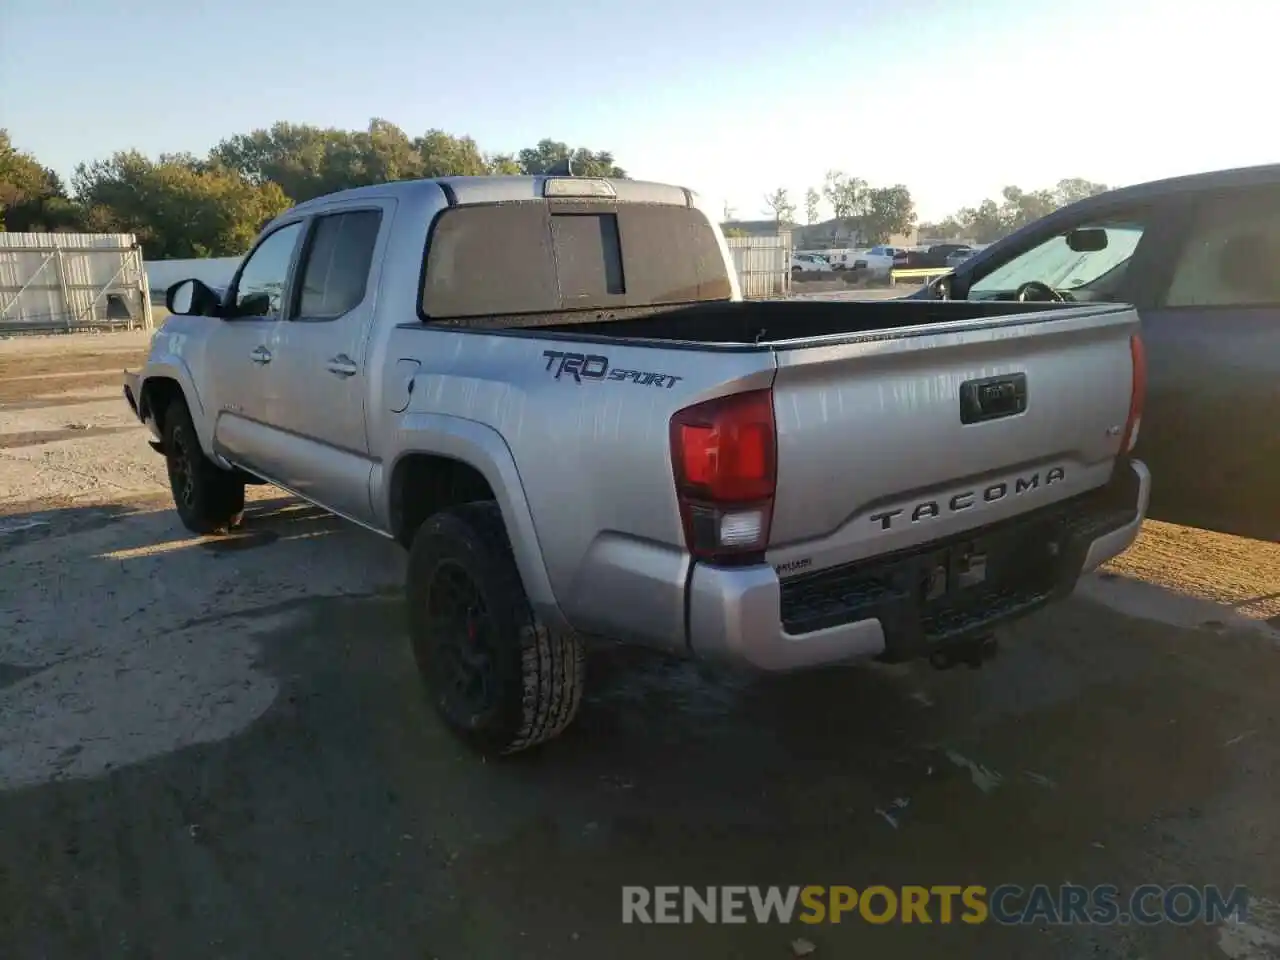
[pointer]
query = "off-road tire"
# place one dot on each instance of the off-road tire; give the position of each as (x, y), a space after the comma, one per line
(213, 501)
(538, 672)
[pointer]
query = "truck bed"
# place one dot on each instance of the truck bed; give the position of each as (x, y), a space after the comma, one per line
(876, 406)
(764, 323)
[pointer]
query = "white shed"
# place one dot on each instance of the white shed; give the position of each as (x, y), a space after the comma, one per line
(72, 281)
(763, 264)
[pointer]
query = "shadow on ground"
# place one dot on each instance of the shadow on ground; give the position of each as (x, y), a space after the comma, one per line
(148, 518)
(345, 822)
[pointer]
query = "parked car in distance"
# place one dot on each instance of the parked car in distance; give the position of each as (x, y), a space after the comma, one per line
(840, 259)
(957, 257)
(549, 390)
(809, 263)
(1199, 256)
(877, 261)
(930, 258)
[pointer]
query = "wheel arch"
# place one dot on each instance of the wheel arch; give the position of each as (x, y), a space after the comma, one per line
(445, 461)
(160, 384)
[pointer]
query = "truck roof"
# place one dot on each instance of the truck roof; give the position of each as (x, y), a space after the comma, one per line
(471, 190)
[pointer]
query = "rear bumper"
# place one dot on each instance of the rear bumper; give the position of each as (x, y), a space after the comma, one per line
(878, 608)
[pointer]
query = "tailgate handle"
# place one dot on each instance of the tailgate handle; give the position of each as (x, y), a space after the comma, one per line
(993, 397)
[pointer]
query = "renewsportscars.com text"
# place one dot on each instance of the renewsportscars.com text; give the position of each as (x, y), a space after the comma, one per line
(1007, 904)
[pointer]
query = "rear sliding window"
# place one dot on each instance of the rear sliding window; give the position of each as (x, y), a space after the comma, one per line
(552, 257)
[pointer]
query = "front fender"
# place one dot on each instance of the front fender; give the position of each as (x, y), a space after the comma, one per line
(483, 448)
(169, 367)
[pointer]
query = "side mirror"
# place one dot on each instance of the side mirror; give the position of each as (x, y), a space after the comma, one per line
(1087, 240)
(191, 298)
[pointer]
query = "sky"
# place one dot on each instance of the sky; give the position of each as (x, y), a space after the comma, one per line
(954, 99)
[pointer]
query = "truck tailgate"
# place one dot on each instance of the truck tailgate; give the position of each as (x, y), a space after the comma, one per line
(893, 439)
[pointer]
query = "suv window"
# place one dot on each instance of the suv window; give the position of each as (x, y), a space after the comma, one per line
(537, 257)
(1054, 263)
(1232, 254)
(260, 288)
(336, 263)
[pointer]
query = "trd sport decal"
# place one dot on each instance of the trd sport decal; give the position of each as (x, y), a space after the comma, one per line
(587, 366)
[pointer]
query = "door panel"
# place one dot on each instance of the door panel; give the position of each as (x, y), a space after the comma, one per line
(1209, 434)
(243, 348)
(1213, 347)
(318, 382)
(236, 375)
(322, 450)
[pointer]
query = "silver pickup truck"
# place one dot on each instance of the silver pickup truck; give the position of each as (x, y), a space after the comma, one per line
(549, 390)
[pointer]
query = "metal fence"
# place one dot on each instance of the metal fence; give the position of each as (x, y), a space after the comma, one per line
(52, 282)
(763, 264)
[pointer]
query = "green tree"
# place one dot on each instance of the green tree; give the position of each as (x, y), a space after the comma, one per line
(780, 205)
(586, 163)
(887, 211)
(1075, 188)
(992, 220)
(308, 161)
(846, 195)
(811, 200)
(443, 155)
(177, 207)
(1021, 207)
(32, 197)
(983, 224)
(502, 164)
(948, 229)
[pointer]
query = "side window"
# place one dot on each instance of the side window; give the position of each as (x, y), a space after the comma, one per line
(335, 269)
(1053, 263)
(260, 289)
(1232, 254)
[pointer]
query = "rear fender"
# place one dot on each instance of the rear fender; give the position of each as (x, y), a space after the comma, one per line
(482, 447)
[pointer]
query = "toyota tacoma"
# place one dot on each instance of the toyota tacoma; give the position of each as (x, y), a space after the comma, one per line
(549, 390)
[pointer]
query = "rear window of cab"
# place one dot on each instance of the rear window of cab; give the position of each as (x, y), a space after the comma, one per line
(542, 256)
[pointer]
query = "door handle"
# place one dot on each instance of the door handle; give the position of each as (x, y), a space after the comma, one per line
(261, 355)
(342, 366)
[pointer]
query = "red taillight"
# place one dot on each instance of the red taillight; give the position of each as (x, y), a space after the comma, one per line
(1137, 394)
(724, 456)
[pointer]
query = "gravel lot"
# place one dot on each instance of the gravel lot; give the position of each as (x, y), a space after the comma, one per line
(218, 748)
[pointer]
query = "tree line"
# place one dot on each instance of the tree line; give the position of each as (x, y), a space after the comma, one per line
(993, 219)
(182, 205)
(878, 213)
(875, 213)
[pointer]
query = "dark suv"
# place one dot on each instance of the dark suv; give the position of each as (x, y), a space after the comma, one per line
(935, 256)
(1199, 256)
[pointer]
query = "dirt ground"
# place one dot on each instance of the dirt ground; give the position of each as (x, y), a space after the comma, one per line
(219, 748)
